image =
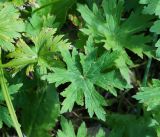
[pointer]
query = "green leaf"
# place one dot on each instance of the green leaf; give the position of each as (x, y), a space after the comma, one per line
(10, 26)
(155, 27)
(130, 125)
(12, 90)
(37, 22)
(8, 101)
(40, 110)
(19, 2)
(158, 48)
(100, 133)
(84, 72)
(82, 131)
(68, 130)
(59, 8)
(153, 7)
(115, 33)
(118, 33)
(42, 55)
(5, 117)
(150, 96)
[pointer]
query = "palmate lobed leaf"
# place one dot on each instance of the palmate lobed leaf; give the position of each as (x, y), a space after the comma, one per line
(118, 33)
(150, 96)
(10, 26)
(42, 54)
(115, 32)
(68, 130)
(85, 71)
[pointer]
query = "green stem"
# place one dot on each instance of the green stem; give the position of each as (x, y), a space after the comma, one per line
(8, 100)
(22, 63)
(144, 82)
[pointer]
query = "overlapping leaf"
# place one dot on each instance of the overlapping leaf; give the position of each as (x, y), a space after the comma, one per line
(10, 26)
(116, 32)
(42, 54)
(150, 96)
(84, 74)
(37, 22)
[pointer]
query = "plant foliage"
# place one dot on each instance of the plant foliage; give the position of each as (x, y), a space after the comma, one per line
(79, 68)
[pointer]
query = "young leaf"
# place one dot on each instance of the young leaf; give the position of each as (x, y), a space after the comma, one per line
(40, 110)
(116, 32)
(10, 26)
(68, 130)
(42, 55)
(84, 74)
(150, 96)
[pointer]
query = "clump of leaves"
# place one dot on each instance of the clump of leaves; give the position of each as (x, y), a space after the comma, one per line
(41, 55)
(118, 33)
(84, 71)
(93, 76)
